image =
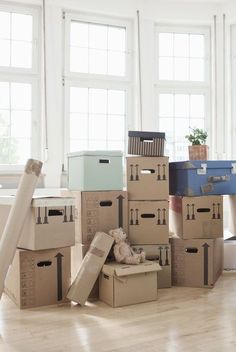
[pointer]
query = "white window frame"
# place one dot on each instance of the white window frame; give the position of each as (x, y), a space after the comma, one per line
(99, 81)
(186, 87)
(27, 75)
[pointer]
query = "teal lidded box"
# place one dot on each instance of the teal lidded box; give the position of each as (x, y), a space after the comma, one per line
(97, 170)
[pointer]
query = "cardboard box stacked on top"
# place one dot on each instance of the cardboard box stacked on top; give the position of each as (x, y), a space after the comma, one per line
(148, 193)
(196, 217)
(41, 270)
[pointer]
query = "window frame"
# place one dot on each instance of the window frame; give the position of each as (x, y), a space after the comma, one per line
(29, 76)
(99, 81)
(185, 87)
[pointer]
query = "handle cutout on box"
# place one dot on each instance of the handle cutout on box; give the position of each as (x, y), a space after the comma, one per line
(106, 276)
(147, 216)
(44, 263)
(147, 171)
(203, 210)
(148, 140)
(191, 250)
(106, 203)
(55, 212)
(104, 161)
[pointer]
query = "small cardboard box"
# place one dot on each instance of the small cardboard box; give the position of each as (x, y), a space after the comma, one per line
(196, 217)
(147, 178)
(149, 222)
(161, 253)
(39, 278)
(90, 268)
(121, 284)
(146, 143)
(196, 262)
(95, 171)
(49, 223)
(98, 211)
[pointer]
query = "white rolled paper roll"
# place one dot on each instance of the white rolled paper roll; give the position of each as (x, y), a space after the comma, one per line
(17, 215)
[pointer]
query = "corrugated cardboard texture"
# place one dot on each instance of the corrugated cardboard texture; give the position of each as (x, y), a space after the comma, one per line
(99, 211)
(196, 217)
(130, 288)
(147, 178)
(148, 222)
(161, 253)
(90, 268)
(39, 278)
(196, 262)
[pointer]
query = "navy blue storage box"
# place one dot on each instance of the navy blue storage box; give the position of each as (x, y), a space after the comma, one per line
(202, 177)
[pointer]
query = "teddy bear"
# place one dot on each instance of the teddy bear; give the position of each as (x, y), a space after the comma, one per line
(123, 252)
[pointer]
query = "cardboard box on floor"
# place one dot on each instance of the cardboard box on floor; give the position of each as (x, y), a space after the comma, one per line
(90, 268)
(122, 285)
(49, 223)
(98, 211)
(147, 178)
(196, 262)
(196, 217)
(148, 222)
(39, 278)
(161, 253)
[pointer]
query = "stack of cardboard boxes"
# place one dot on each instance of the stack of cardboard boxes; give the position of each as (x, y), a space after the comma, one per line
(148, 193)
(41, 270)
(196, 217)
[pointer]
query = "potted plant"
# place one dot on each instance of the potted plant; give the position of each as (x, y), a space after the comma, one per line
(198, 150)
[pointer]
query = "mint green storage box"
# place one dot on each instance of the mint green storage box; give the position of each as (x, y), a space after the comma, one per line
(95, 171)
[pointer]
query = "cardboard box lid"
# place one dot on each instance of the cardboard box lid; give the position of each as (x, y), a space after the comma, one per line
(42, 201)
(96, 153)
(197, 164)
(146, 135)
(117, 269)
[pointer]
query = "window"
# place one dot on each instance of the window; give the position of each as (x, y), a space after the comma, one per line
(183, 85)
(97, 83)
(18, 84)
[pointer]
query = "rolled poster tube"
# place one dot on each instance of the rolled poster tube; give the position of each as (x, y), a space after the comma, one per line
(16, 217)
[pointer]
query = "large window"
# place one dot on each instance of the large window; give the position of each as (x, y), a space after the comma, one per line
(19, 75)
(183, 85)
(97, 82)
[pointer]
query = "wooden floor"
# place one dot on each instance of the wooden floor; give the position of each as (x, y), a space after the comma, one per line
(182, 319)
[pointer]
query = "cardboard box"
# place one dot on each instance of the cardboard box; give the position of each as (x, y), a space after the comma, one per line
(230, 254)
(148, 222)
(232, 214)
(202, 177)
(50, 222)
(90, 268)
(147, 178)
(98, 211)
(196, 217)
(78, 252)
(196, 262)
(161, 253)
(39, 278)
(146, 143)
(95, 170)
(121, 284)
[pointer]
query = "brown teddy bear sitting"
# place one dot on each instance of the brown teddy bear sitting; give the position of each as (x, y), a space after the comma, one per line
(122, 250)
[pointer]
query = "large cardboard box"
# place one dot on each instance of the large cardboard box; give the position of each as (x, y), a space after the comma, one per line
(146, 143)
(121, 284)
(147, 178)
(161, 253)
(90, 268)
(196, 262)
(196, 217)
(148, 222)
(50, 222)
(39, 278)
(98, 211)
(95, 170)
(202, 177)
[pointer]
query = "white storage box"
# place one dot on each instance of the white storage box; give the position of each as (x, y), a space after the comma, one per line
(230, 254)
(95, 171)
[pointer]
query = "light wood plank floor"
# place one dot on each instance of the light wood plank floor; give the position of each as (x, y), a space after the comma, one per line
(183, 319)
